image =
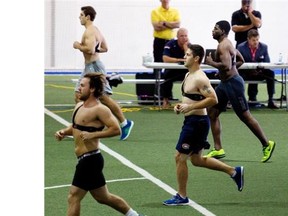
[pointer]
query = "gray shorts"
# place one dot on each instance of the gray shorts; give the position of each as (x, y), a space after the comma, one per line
(95, 66)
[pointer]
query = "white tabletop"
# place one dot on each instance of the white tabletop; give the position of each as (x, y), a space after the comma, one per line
(160, 65)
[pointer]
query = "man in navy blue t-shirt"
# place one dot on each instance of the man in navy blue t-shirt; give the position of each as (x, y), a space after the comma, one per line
(174, 51)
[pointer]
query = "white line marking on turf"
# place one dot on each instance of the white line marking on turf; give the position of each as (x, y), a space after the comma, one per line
(109, 181)
(138, 169)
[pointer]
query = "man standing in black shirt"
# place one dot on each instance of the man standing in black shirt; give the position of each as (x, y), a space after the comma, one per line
(245, 19)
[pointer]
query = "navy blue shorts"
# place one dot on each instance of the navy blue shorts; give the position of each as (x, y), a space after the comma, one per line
(193, 136)
(88, 174)
(232, 90)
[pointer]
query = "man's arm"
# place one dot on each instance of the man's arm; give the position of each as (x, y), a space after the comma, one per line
(108, 119)
(241, 28)
(60, 134)
(102, 45)
(88, 43)
(256, 20)
(207, 91)
(172, 25)
(239, 59)
(158, 26)
(224, 56)
(169, 59)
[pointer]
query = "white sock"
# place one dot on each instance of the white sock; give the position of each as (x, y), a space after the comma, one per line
(131, 212)
(122, 124)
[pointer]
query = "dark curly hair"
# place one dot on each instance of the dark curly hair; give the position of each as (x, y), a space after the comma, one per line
(97, 81)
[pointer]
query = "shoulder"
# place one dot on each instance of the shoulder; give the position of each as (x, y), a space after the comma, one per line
(100, 110)
(78, 105)
(263, 45)
(170, 43)
(173, 9)
(225, 44)
(236, 13)
(157, 10)
(242, 45)
(101, 107)
(201, 77)
(173, 41)
(91, 30)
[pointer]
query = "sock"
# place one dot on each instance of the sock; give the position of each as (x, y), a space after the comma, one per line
(122, 124)
(182, 196)
(131, 212)
(234, 174)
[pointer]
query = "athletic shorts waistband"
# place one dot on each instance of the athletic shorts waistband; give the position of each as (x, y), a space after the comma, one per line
(97, 151)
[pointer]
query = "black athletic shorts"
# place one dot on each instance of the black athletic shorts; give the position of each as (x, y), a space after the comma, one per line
(88, 174)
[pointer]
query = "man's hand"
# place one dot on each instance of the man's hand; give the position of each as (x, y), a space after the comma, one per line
(177, 109)
(59, 135)
(209, 59)
(76, 45)
(86, 136)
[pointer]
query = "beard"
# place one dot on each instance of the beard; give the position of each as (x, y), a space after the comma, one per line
(83, 97)
(216, 37)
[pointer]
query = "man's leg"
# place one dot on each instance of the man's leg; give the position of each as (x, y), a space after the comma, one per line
(166, 88)
(126, 125)
(182, 178)
(215, 124)
(74, 199)
(113, 106)
(103, 196)
(270, 80)
(252, 92)
(254, 126)
(182, 173)
(236, 173)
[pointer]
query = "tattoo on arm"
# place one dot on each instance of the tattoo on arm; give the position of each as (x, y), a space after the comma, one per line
(206, 89)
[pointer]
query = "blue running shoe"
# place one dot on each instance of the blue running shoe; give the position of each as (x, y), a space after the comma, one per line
(239, 177)
(176, 200)
(125, 131)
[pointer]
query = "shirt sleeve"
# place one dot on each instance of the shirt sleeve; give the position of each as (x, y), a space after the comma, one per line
(167, 48)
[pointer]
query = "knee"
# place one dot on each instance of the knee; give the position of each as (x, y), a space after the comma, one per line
(197, 161)
(177, 158)
(102, 201)
(245, 117)
(72, 198)
(180, 158)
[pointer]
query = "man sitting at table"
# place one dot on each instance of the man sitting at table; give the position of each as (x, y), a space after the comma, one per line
(174, 51)
(253, 50)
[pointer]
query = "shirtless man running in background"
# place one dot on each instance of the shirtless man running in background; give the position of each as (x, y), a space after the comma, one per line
(91, 45)
(232, 88)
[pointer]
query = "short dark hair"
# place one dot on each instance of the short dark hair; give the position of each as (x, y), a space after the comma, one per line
(252, 33)
(197, 50)
(224, 25)
(88, 10)
(244, 2)
(97, 81)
